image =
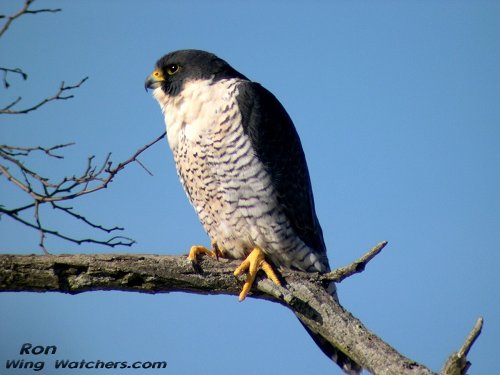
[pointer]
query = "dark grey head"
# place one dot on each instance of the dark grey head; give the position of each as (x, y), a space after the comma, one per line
(176, 68)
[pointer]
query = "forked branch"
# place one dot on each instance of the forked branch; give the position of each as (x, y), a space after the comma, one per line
(61, 94)
(43, 190)
(6, 71)
(23, 11)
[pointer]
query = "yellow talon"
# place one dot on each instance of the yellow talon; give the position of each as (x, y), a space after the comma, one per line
(197, 249)
(254, 262)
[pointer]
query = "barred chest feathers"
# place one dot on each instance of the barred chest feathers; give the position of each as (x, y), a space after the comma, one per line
(223, 178)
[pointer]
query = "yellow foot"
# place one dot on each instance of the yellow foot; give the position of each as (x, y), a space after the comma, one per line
(252, 264)
(197, 250)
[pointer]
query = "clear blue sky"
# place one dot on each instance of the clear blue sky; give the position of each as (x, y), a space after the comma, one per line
(397, 106)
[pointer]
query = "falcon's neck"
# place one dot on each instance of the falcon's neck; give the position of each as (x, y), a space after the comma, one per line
(197, 110)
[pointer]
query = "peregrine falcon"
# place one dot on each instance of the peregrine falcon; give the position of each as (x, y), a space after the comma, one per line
(241, 163)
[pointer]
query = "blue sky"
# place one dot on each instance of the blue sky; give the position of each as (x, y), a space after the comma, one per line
(397, 107)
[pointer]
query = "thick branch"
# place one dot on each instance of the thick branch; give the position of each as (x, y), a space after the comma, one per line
(303, 293)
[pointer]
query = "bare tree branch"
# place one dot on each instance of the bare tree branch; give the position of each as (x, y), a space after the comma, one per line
(11, 104)
(43, 190)
(63, 89)
(59, 95)
(24, 10)
(457, 364)
(304, 294)
(19, 71)
(355, 267)
(25, 151)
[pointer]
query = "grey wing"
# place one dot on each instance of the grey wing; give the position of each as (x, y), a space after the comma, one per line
(277, 145)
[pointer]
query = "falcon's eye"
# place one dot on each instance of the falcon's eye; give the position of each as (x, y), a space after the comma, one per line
(172, 69)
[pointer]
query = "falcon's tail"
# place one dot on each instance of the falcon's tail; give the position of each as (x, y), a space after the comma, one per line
(347, 364)
(336, 355)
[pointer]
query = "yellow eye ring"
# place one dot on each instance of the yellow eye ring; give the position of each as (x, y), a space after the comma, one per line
(172, 69)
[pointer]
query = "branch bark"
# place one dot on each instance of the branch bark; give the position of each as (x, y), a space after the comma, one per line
(304, 294)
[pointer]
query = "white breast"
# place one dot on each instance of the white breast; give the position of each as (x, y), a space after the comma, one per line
(224, 179)
(193, 113)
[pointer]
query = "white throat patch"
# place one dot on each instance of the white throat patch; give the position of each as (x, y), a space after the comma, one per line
(196, 109)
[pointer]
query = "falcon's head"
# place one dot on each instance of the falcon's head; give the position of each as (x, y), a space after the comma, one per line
(176, 68)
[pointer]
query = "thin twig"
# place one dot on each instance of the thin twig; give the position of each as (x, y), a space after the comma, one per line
(143, 167)
(11, 104)
(19, 71)
(42, 190)
(69, 211)
(111, 242)
(7, 110)
(40, 228)
(25, 10)
(25, 151)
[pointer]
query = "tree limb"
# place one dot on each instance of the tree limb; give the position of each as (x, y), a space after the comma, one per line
(304, 293)
(355, 267)
(457, 364)
(59, 95)
(5, 71)
(24, 10)
(43, 190)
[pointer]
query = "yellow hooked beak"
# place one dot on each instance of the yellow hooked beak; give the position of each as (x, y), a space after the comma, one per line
(154, 80)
